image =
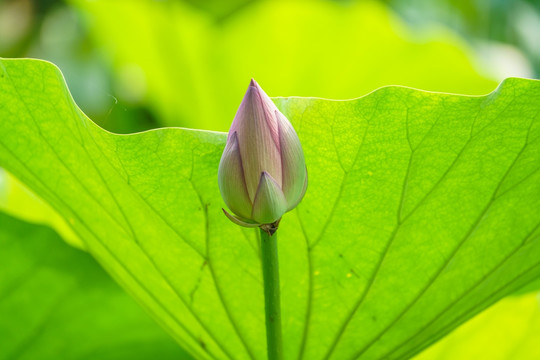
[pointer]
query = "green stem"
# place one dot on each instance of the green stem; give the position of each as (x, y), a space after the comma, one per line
(272, 305)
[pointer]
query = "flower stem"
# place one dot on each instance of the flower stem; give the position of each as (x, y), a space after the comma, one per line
(270, 265)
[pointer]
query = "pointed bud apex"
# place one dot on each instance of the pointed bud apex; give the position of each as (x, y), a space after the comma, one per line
(262, 173)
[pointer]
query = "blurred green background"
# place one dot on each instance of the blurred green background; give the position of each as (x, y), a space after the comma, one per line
(133, 65)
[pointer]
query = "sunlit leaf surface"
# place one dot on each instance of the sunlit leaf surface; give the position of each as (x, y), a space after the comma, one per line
(57, 303)
(422, 210)
(509, 330)
(16, 200)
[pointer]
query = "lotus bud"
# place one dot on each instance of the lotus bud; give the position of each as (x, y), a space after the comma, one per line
(262, 173)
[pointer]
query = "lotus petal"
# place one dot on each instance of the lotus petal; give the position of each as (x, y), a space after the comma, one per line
(231, 179)
(270, 203)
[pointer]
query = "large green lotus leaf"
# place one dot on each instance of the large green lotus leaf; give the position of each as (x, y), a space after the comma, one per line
(422, 210)
(57, 303)
(192, 69)
(509, 330)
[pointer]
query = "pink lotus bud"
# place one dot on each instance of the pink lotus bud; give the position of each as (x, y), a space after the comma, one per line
(262, 173)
